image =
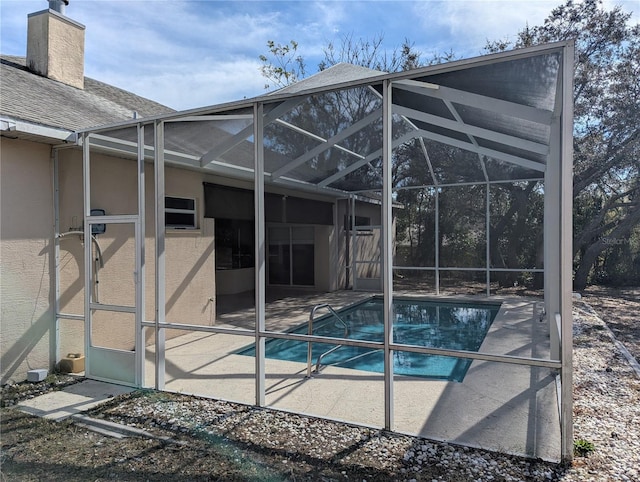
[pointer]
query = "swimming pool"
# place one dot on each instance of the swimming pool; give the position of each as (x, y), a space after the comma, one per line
(458, 326)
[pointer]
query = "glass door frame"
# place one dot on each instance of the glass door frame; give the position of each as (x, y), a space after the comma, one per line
(290, 228)
(110, 364)
(124, 367)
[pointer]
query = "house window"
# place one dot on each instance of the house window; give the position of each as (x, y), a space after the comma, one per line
(360, 221)
(234, 244)
(180, 213)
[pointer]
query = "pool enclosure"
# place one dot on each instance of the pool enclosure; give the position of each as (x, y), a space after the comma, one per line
(349, 181)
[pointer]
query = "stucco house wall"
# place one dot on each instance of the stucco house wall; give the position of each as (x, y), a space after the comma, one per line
(27, 255)
(28, 270)
(26, 250)
(189, 256)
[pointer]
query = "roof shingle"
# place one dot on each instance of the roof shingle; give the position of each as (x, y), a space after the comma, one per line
(32, 98)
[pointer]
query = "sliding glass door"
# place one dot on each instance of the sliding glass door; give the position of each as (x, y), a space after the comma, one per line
(291, 255)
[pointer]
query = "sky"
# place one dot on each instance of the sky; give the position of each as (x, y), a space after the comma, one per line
(197, 53)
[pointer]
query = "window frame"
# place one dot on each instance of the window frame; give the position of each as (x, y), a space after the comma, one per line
(173, 210)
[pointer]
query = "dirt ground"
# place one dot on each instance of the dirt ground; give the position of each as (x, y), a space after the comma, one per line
(620, 309)
(44, 450)
(34, 449)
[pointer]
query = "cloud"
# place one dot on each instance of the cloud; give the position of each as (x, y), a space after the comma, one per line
(191, 53)
(186, 87)
(468, 25)
(182, 54)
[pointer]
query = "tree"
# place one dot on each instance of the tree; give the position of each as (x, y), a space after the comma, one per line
(606, 134)
(330, 113)
(606, 142)
(284, 65)
(371, 54)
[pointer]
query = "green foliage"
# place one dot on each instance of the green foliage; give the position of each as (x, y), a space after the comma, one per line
(606, 150)
(283, 65)
(582, 447)
(606, 135)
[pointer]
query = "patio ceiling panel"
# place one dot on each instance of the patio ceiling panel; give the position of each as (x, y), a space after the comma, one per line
(527, 81)
(331, 162)
(195, 136)
(326, 144)
(401, 136)
(228, 144)
(366, 177)
(499, 110)
(504, 171)
(484, 142)
(503, 123)
(365, 166)
(483, 102)
(468, 129)
(344, 122)
(240, 155)
(196, 139)
(282, 144)
(415, 95)
(469, 146)
(539, 159)
(128, 135)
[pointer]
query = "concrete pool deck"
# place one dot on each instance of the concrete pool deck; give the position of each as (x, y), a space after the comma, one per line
(498, 406)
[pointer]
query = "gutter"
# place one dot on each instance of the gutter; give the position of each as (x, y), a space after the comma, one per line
(21, 127)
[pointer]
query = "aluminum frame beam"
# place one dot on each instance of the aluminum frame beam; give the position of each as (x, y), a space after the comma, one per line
(160, 255)
(260, 254)
(387, 250)
(459, 126)
(245, 133)
(566, 249)
(328, 143)
(491, 104)
(468, 146)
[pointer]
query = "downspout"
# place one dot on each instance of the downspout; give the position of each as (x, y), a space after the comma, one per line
(54, 338)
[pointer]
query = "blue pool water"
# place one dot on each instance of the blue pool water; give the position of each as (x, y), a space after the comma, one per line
(461, 326)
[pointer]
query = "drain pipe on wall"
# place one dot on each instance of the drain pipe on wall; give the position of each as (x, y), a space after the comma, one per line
(54, 339)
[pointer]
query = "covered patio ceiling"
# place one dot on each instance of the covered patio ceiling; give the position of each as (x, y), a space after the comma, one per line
(472, 121)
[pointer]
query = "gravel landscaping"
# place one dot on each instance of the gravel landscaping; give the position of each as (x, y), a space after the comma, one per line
(191, 438)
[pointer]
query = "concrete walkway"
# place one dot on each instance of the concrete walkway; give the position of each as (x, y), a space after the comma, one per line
(72, 400)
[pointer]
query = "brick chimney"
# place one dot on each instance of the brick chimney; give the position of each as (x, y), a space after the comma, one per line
(55, 45)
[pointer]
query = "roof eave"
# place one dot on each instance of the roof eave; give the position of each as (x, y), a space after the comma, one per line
(23, 129)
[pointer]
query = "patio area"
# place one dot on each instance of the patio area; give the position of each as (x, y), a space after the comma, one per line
(498, 406)
(351, 179)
